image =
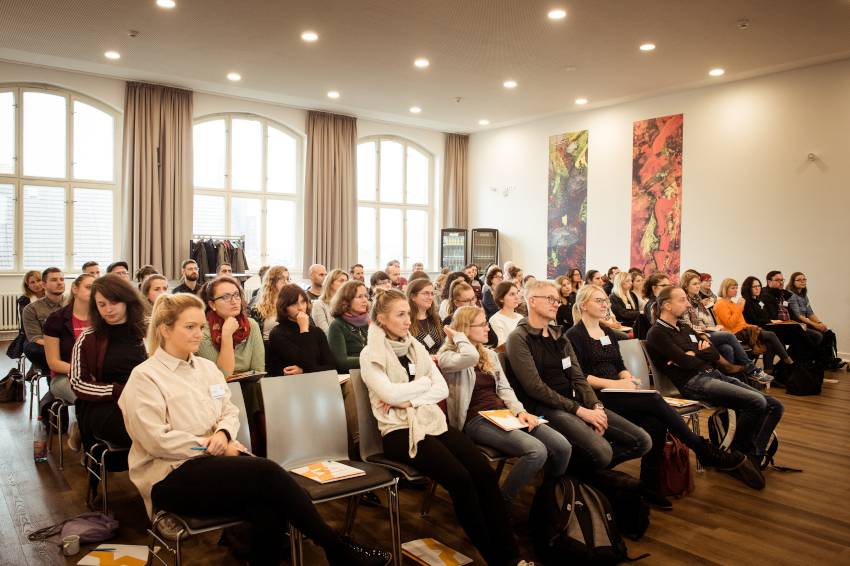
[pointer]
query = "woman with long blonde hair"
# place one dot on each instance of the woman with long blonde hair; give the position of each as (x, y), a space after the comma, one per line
(321, 309)
(265, 311)
(477, 383)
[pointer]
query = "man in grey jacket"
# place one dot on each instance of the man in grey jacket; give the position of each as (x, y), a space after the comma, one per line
(550, 382)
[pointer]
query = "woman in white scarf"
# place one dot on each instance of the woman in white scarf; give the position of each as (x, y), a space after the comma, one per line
(404, 389)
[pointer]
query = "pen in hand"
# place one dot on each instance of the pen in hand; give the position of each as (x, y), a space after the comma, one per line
(199, 448)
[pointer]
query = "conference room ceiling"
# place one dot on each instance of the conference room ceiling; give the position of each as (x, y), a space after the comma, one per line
(366, 50)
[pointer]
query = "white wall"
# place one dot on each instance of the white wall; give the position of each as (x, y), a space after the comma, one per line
(751, 200)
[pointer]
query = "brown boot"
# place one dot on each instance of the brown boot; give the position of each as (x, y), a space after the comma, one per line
(727, 367)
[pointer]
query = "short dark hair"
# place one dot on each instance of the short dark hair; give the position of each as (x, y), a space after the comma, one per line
(418, 275)
(377, 277)
(119, 263)
(355, 266)
(491, 273)
(88, 264)
(611, 269)
(771, 274)
(144, 271)
(48, 271)
(501, 290)
(118, 290)
(289, 295)
(588, 277)
(651, 282)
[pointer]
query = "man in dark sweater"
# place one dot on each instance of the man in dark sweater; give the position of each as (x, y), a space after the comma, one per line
(689, 360)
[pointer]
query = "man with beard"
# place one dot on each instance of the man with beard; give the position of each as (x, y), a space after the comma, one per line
(190, 278)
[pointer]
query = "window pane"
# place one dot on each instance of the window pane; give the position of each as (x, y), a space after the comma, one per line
(417, 177)
(280, 232)
(245, 220)
(209, 144)
(392, 156)
(44, 134)
(247, 150)
(92, 226)
(7, 132)
(209, 215)
(366, 242)
(392, 230)
(44, 227)
(417, 237)
(7, 226)
(281, 162)
(366, 160)
(94, 136)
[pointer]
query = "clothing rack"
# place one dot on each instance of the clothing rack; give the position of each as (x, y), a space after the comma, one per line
(240, 238)
(208, 260)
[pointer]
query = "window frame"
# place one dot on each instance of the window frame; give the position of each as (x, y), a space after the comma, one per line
(404, 206)
(264, 195)
(18, 180)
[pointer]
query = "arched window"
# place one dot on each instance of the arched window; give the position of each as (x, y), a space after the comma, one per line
(394, 202)
(58, 179)
(247, 181)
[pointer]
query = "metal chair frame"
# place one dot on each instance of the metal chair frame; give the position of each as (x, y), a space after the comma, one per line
(54, 421)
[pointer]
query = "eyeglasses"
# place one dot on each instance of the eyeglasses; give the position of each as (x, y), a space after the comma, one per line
(551, 300)
(427, 293)
(755, 286)
(228, 298)
(466, 302)
(778, 280)
(601, 302)
(482, 325)
(800, 279)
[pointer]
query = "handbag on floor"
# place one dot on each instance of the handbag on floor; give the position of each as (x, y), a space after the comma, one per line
(16, 347)
(801, 377)
(675, 477)
(12, 387)
(90, 527)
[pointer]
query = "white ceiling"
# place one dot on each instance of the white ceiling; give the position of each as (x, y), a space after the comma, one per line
(366, 49)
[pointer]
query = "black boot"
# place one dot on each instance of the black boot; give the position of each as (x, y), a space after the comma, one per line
(711, 456)
(349, 553)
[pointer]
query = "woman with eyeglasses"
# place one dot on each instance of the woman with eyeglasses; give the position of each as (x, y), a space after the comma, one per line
(462, 295)
(599, 357)
(801, 311)
(445, 297)
(296, 345)
(757, 311)
(653, 285)
(425, 323)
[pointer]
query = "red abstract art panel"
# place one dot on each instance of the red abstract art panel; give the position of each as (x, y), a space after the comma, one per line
(657, 195)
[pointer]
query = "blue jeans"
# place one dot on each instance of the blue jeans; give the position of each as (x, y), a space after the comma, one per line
(731, 349)
(757, 413)
(622, 440)
(530, 448)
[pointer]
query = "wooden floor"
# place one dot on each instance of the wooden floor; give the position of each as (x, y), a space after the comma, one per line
(798, 519)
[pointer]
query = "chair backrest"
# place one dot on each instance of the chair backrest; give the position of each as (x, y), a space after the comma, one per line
(370, 436)
(244, 434)
(662, 383)
(635, 359)
(305, 418)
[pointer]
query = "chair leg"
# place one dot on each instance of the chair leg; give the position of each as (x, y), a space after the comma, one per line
(694, 422)
(59, 436)
(178, 561)
(395, 526)
(429, 497)
(50, 421)
(103, 480)
(500, 467)
(351, 513)
(295, 549)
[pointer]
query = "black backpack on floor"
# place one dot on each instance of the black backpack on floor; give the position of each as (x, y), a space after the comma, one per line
(573, 523)
(801, 377)
(631, 512)
(721, 432)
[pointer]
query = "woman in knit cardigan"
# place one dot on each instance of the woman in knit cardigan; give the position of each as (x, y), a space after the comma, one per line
(404, 389)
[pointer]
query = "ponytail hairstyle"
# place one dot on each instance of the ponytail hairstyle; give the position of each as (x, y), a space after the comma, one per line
(461, 322)
(383, 301)
(166, 310)
(584, 295)
(76, 285)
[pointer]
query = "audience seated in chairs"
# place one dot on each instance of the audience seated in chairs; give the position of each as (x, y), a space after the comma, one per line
(624, 302)
(689, 359)
(757, 310)
(177, 403)
(598, 354)
(425, 323)
(103, 357)
(295, 344)
(404, 389)
(35, 315)
(653, 285)
(153, 286)
(818, 331)
(567, 296)
(505, 320)
(265, 309)
(189, 276)
(551, 383)
(731, 316)
(477, 383)
(320, 311)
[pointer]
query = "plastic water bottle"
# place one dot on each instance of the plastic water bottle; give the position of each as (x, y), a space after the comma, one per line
(39, 442)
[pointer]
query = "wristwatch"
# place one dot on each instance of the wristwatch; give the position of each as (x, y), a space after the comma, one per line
(599, 406)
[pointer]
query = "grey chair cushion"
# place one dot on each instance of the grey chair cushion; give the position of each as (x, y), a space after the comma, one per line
(375, 476)
(409, 472)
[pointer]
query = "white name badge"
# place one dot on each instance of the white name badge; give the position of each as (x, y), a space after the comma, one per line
(761, 304)
(428, 341)
(217, 391)
(784, 303)
(411, 368)
(605, 340)
(693, 339)
(566, 363)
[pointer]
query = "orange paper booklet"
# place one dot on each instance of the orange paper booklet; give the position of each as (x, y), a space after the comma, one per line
(328, 471)
(673, 402)
(123, 554)
(431, 552)
(503, 419)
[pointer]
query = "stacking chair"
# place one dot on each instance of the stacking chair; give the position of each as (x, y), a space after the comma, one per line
(57, 410)
(635, 359)
(99, 458)
(191, 526)
(305, 423)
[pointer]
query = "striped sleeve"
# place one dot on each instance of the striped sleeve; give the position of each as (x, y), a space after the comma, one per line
(83, 381)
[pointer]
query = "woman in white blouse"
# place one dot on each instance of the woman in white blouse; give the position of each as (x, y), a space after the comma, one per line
(184, 457)
(507, 297)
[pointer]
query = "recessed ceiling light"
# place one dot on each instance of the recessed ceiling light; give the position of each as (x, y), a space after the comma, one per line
(557, 14)
(422, 62)
(310, 36)
(166, 3)
(415, 109)
(112, 55)
(333, 94)
(718, 72)
(483, 122)
(647, 47)
(509, 84)
(234, 77)
(581, 101)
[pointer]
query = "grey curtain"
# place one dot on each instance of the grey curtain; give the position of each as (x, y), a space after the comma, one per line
(455, 209)
(330, 191)
(157, 196)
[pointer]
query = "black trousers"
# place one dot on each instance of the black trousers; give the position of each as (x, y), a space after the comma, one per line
(251, 487)
(103, 420)
(454, 462)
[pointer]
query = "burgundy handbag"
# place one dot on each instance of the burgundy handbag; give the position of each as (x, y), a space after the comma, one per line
(675, 478)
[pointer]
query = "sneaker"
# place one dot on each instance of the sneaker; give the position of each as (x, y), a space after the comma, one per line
(748, 474)
(74, 442)
(711, 456)
(759, 375)
(352, 553)
(169, 528)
